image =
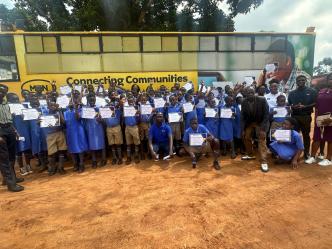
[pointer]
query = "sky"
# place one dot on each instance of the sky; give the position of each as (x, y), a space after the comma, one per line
(286, 16)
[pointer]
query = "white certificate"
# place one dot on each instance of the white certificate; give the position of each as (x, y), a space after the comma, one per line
(84, 101)
(215, 93)
(146, 109)
(159, 102)
(101, 89)
(210, 113)
(100, 102)
(106, 112)
(88, 113)
(196, 139)
(43, 102)
(226, 113)
(188, 86)
(187, 107)
(63, 101)
(282, 135)
(49, 121)
(30, 114)
(129, 111)
(204, 89)
(65, 90)
(249, 80)
(16, 108)
(281, 112)
(270, 68)
(78, 88)
(174, 117)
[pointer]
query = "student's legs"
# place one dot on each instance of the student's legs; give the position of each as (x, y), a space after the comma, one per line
(94, 159)
(114, 156)
(329, 151)
(75, 161)
(322, 148)
(52, 164)
(19, 159)
(42, 158)
(314, 148)
(233, 154)
(61, 169)
(215, 149)
(27, 157)
(119, 153)
(128, 154)
(103, 158)
(192, 155)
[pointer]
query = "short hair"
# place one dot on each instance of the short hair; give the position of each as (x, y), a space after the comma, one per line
(283, 45)
(274, 81)
(281, 96)
(193, 119)
(291, 120)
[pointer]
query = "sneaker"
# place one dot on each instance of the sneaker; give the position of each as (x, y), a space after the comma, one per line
(248, 157)
(264, 167)
(310, 160)
(29, 169)
(325, 163)
(24, 171)
(321, 157)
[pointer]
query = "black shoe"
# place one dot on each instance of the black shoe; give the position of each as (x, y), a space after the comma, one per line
(15, 188)
(18, 180)
(81, 168)
(76, 167)
(42, 169)
(233, 155)
(128, 161)
(114, 161)
(142, 156)
(94, 165)
(216, 165)
(103, 163)
(137, 159)
(120, 161)
(51, 172)
(61, 171)
(149, 156)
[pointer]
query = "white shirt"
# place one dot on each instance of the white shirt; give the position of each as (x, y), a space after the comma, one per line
(272, 99)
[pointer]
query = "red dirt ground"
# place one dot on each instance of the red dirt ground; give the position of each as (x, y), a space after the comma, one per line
(170, 205)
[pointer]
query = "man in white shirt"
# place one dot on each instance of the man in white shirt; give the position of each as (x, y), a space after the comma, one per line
(271, 97)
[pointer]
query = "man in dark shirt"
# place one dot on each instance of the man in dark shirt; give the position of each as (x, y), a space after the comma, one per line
(255, 118)
(8, 136)
(302, 101)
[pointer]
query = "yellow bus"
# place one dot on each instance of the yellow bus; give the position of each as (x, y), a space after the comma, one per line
(28, 59)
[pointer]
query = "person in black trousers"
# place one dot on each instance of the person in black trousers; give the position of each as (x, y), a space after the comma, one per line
(8, 137)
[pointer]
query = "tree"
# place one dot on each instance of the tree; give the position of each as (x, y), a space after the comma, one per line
(136, 15)
(324, 66)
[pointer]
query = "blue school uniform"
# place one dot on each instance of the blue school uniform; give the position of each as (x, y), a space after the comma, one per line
(131, 121)
(237, 132)
(23, 130)
(94, 131)
(38, 138)
(213, 124)
(173, 109)
(201, 129)
(188, 116)
(200, 110)
(114, 121)
(76, 138)
(287, 151)
(146, 118)
(226, 127)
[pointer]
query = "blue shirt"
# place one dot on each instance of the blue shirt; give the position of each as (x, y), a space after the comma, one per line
(201, 129)
(131, 121)
(114, 121)
(160, 134)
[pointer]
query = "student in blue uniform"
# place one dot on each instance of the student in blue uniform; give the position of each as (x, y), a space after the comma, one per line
(56, 141)
(289, 152)
(175, 107)
(189, 115)
(210, 144)
(23, 148)
(38, 138)
(277, 122)
(143, 126)
(226, 128)
(114, 132)
(200, 107)
(212, 123)
(76, 138)
(95, 133)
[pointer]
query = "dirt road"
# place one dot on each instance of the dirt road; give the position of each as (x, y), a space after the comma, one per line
(170, 205)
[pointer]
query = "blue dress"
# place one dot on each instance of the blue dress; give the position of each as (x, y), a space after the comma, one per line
(200, 110)
(187, 117)
(23, 130)
(226, 128)
(38, 138)
(237, 123)
(95, 133)
(213, 125)
(75, 134)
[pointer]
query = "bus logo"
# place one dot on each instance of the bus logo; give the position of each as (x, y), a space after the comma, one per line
(30, 85)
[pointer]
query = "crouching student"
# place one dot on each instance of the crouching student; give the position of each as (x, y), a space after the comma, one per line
(160, 138)
(175, 107)
(131, 131)
(56, 141)
(208, 143)
(76, 138)
(290, 151)
(95, 133)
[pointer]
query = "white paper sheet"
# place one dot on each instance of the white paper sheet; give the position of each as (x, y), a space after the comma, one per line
(249, 80)
(222, 84)
(159, 102)
(226, 113)
(174, 117)
(281, 112)
(88, 113)
(84, 101)
(100, 102)
(187, 107)
(78, 88)
(30, 114)
(270, 68)
(129, 111)
(65, 90)
(210, 113)
(146, 109)
(196, 139)
(43, 102)
(49, 121)
(16, 108)
(63, 101)
(106, 112)
(282, 135)
(188, 86)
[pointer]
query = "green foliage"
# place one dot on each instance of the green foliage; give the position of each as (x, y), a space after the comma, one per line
(131, 15)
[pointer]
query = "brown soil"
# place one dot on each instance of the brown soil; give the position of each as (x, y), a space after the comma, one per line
(170, 205)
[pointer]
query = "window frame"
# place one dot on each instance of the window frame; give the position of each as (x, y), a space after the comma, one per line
(16, 62)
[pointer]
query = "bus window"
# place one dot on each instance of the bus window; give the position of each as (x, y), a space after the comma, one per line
(8, 63)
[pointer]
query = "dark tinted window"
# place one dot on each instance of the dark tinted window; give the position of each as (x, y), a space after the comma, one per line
(7, 45)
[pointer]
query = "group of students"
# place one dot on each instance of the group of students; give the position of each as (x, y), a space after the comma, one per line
(155, 123)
